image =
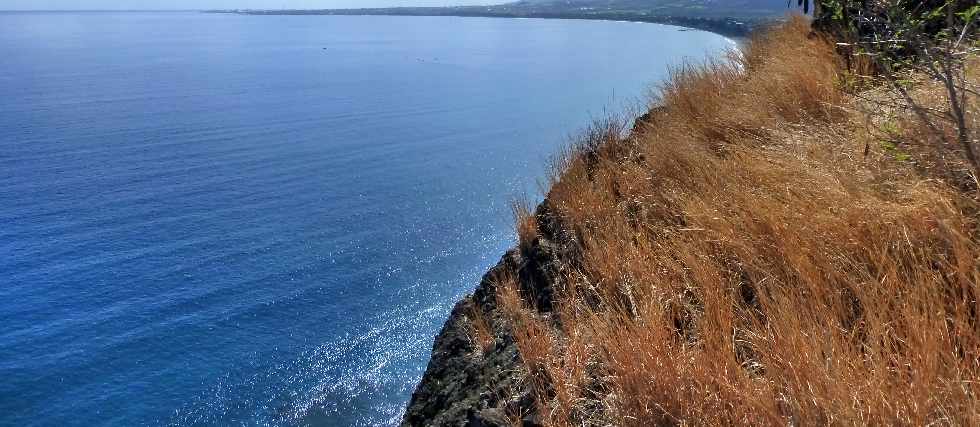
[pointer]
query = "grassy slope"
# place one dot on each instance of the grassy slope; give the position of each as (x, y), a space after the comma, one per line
(765, 249)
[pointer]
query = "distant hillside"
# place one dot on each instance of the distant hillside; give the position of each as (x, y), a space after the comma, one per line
(693, 8)
(734, 18)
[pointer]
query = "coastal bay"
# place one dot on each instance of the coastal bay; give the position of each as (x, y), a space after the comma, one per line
(268, 218)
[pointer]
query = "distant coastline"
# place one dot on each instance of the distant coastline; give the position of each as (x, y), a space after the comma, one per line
(727, 27)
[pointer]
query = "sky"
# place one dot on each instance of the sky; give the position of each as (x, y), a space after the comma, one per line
(222, 4)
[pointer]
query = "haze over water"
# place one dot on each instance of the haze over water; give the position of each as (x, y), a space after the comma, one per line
(223, 219)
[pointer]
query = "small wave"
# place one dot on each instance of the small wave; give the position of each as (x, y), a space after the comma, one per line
(362, 379)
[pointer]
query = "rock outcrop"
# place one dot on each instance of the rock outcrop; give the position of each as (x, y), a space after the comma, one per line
(466, 385)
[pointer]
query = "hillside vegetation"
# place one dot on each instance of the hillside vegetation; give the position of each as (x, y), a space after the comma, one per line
(774, 243)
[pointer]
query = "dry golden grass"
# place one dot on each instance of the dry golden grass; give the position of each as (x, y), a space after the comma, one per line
(749, 257)
(527, 225)
(481, 332)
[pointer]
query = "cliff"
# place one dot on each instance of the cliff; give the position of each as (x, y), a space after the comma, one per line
(475, 383)
(780, 241)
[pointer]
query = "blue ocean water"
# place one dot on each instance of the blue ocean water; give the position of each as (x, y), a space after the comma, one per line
(222, 219)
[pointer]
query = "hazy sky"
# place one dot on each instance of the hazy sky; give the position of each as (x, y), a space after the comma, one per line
(222, 4)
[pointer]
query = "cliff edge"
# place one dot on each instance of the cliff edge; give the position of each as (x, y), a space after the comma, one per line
(789, 238)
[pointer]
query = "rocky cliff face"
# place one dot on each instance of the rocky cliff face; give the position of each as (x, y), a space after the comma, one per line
(466, 384)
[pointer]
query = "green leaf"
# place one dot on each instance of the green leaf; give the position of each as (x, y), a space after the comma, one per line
(936, 13)
(970, 14)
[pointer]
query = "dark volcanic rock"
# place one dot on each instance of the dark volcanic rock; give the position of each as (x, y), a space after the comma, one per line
(466, 386)
(492, 417)
(461, 386)
(539, 273)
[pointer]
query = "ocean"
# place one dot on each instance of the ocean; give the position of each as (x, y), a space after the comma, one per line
(212, 219)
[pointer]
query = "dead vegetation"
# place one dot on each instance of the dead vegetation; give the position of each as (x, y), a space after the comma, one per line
(764, 249)
(481, 331)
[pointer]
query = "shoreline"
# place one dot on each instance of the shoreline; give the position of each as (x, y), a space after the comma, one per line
(433, 402)
(729, 28)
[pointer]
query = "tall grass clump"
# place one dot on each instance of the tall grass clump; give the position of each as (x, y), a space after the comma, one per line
(747, 256)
